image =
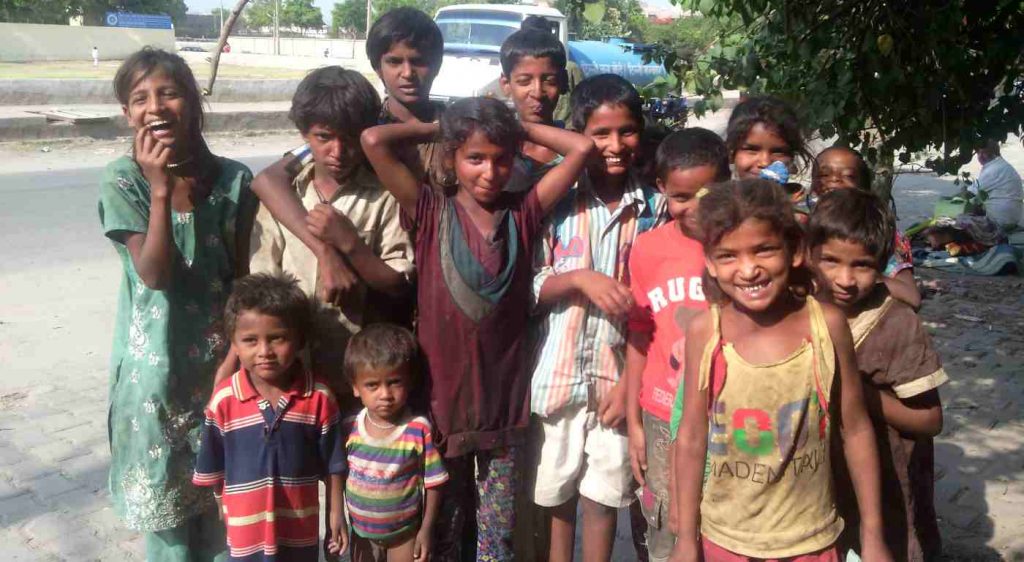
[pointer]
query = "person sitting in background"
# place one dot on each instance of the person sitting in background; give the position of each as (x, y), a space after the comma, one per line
(1002, 183)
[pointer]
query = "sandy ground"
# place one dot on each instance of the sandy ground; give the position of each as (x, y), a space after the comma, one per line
(56, 310)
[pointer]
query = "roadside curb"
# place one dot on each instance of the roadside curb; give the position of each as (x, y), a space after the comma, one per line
(37, 127)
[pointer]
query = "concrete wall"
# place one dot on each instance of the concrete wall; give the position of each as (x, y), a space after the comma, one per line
(79, 91)
(300, 46)
(25, 42)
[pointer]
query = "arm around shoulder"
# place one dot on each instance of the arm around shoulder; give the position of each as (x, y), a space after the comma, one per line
(574, 147)
(379, 144)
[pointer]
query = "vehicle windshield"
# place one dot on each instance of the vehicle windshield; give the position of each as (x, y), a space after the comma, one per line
(485, 31)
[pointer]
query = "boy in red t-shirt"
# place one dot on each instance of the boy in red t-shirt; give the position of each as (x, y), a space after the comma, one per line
(665, 268)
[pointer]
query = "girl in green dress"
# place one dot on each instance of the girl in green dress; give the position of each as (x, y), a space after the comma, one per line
(178, 217)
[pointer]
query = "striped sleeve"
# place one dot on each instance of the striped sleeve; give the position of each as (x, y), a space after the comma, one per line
(210, 461)
(434, 473)
(332, 450)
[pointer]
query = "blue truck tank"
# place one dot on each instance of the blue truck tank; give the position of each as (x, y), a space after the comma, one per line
(614, 56)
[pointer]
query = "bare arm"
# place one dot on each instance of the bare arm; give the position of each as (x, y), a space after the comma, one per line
(337, 529)
(151, 252)
(636, 360)
(379, 145)
(575, 149)
(859, 445)
(918, 415)
(423, 540)
(691, 443)
(903, 287)
(273, 186)
(609, 295)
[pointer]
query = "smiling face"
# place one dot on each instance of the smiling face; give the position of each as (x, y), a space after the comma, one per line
(407, 74)
(837, 169)
(483, 168)
(267, 347)
(847, 270)
(383, 392)
(158, 104)
(534, 88)
(761, 147)
(616, 133)
(680, 188)
(751, 265)
(331, 153)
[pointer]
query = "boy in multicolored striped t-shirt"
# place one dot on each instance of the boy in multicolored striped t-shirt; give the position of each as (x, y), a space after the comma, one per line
(391, 455)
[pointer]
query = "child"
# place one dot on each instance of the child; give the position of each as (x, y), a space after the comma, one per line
(392, 460)
(850, 240)
(840, 167)
(347, 208)
(580, 286)
(765, 141)
(272, 431)
(665, 268)
(533, 77)
(405, 48)
(178, 217)
(474, 278)
(759, 369)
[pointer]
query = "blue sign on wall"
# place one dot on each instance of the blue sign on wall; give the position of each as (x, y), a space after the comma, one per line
(124, 19)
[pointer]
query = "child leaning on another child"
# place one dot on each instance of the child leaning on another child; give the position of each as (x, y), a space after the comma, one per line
(348, 209)
(665, 268)
(850, 238)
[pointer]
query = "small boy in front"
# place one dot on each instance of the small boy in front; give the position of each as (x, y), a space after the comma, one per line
(392, 460)
(580, 285)
(347, 207)
(850, 238)
(273, 431)
(665, 269)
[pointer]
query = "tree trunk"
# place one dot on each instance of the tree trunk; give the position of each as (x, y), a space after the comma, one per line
(224, 33)
(884, 175)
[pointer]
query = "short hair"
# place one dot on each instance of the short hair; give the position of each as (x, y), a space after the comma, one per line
(380, 346)
(864, 175)
(408, 25)
(148, 60)
(534, 39)
(854, 216)
(273, 295)
(336, 97)
(487, 115)
(595, 91)
(689, 148)
(775, 114)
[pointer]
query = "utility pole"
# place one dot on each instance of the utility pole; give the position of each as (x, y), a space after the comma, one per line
(222, 14)
(277, 23)
(369, 17)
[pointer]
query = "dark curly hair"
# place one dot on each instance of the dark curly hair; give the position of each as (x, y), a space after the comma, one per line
(487, 115)
(273, 295)
(148, 60)
(405, 25)
(777, 116)
(341, 99)
(855, 216)
(381, 346)
(728, 205)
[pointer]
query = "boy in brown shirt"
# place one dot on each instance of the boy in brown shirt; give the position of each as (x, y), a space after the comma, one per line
(850, 238)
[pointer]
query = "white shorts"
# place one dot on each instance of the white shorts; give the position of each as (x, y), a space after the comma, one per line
(578, 454)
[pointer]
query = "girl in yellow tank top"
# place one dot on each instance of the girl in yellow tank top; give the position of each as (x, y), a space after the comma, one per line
(762, 367)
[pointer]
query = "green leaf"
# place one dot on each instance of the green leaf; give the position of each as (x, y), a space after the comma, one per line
(594, 12)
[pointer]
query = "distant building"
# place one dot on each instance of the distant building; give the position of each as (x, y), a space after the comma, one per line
(661, 15)
(198, 25)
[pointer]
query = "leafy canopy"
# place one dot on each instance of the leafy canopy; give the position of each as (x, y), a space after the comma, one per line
(884, 76)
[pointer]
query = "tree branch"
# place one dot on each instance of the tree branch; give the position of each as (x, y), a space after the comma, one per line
(224, 33)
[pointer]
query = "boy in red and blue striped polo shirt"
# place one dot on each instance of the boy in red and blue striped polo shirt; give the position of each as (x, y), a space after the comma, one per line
(272, 431)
